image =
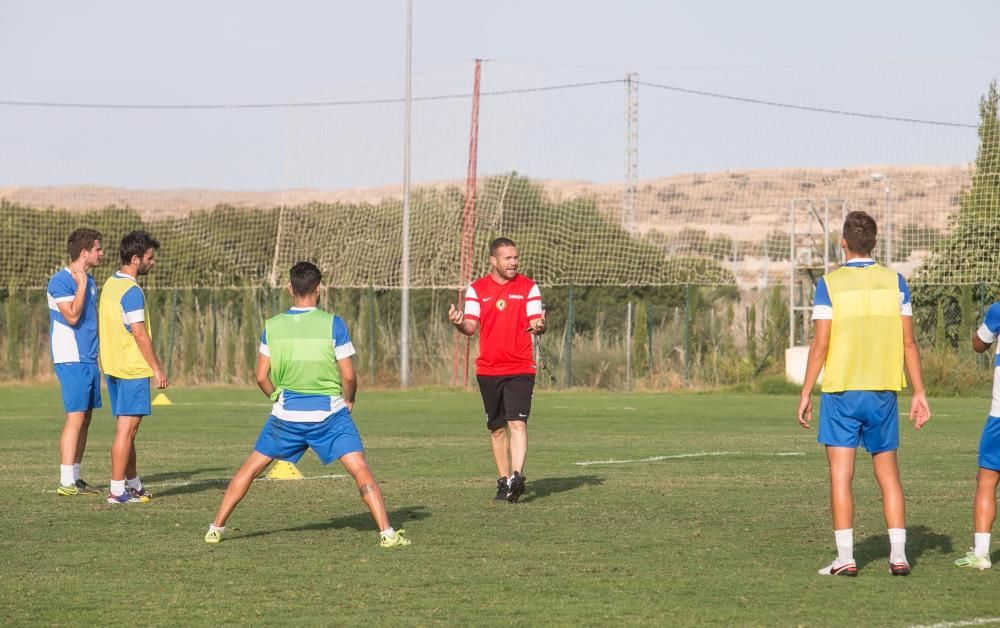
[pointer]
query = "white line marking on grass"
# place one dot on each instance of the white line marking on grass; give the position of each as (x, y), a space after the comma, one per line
(702, 454)
(234, 404)
(976, 621)
(593, 408)
(331, 476)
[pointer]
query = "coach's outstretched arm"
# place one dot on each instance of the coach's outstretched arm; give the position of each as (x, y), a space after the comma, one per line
(457, 318)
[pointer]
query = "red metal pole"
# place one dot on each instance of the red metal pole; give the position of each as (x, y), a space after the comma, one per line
(468, 222)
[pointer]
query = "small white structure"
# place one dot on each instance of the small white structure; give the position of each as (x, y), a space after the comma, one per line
(795, 365)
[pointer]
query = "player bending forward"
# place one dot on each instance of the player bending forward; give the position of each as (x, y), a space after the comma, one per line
(304, 366)
(984, 508)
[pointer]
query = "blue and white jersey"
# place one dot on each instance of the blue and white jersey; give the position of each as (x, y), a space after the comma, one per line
(823, 306)
(301, 408)
(72, 343)
(133, 303)
(988, 333)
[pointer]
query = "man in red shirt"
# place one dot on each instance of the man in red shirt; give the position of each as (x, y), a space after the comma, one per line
(508, 306)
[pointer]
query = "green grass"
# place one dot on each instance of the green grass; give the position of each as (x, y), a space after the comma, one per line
(732, 539)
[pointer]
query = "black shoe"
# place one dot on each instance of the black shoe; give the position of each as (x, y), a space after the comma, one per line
(501, 490)
(515, 487)
(86, 489)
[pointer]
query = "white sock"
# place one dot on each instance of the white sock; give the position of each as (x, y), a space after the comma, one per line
(76, 471)
(66, 474)
(982, 547)
(216, 528)
(389, 532)
(117, 487)
(845, 545)
(897, 544)
(134, 483)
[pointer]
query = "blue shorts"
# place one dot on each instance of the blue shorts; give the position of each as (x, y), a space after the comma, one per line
(849, 418)
(331, 438)
(80, 383)
(129, 397)
(989, 444)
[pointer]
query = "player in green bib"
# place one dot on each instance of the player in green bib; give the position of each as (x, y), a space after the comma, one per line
(304, 366)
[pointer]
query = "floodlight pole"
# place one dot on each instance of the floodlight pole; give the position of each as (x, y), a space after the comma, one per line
(631, 147)
(404, 326)
(888, 224)
(878, 176)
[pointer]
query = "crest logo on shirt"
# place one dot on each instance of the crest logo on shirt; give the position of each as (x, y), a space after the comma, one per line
(501, 304)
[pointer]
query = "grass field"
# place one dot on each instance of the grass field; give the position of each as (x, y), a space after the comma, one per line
(733, 538)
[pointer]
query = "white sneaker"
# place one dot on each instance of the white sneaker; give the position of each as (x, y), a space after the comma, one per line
(837, 568)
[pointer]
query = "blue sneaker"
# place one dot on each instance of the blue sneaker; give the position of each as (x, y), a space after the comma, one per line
(124, 498)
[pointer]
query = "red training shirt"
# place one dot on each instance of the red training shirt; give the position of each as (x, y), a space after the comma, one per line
(503, 312)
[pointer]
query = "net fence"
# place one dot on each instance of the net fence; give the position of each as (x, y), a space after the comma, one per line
(702, 243)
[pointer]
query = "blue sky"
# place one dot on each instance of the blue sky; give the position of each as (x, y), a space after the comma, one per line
(920, 59)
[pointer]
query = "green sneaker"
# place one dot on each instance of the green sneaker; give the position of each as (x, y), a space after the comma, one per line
(68, 491)
(982, 563)
(393, 541)
(213, 536)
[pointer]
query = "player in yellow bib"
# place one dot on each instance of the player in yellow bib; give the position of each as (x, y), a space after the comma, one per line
(864, 338)
(128, 361)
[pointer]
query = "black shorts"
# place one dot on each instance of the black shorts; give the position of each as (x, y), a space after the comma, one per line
(506, 398)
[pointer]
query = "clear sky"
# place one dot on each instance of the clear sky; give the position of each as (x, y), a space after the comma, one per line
(913, 58)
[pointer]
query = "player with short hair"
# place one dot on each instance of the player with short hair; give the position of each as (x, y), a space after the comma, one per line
(984, 507)
(508, 307)
(128, 361)
(863, 337)
(304, 366)
(72, 297)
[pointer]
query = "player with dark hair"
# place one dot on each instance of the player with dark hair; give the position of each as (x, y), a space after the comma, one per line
(304, 366)
(128, 361)
(72, 297)
(864, 338)
(508, 308)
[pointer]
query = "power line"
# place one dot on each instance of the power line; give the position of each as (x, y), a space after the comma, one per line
(296, 105)
(506, 92)
(756, 66)
(771, 103)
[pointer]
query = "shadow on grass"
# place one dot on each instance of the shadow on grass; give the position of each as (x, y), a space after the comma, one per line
(359, 521)
(195, 486)
(180, 475)
(186, 484)
(919, 539)
(537, 489)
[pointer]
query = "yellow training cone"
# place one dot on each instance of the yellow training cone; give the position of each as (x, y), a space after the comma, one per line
(283, 470)
(161, 400)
